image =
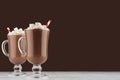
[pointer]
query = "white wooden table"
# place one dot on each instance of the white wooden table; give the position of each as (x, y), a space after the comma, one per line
(70, 76)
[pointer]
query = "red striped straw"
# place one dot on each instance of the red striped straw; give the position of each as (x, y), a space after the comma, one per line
(8, 29)
(48, 23)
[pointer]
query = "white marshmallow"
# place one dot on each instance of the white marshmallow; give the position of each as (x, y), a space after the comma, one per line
(31, 25)
(37, 25)
(16, 31)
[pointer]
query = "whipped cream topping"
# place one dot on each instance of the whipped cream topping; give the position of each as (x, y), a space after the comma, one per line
(37, 25)
(17, 31)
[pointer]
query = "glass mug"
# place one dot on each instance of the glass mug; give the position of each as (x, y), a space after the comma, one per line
(14, 54)
(37, 49)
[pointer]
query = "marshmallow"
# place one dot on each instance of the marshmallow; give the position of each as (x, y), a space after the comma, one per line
(31, 25)
(16, 31)
(37, 25)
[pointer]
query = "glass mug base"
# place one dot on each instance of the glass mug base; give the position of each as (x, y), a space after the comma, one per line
(16, 75)
(17, 71)
(37, 74)
(38, 77)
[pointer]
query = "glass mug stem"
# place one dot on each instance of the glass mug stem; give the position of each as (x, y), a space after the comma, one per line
(37, 69)
(17, 69)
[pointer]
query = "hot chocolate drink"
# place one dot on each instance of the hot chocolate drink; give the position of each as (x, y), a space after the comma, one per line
(37, 36)
(15, 56)
(37, 45)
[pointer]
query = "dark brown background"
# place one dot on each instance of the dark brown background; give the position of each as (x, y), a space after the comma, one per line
(83, 34)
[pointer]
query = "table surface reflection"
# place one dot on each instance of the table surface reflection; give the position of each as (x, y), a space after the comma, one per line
(79, 75)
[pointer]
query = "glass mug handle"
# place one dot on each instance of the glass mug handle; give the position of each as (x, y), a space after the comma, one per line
(20, 48)
(3, 48)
